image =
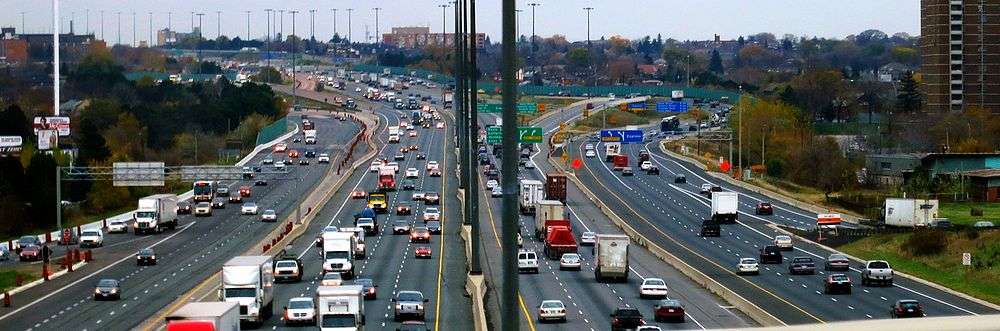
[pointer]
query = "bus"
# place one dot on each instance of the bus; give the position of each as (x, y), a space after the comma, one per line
(204, 190)
(670, 124)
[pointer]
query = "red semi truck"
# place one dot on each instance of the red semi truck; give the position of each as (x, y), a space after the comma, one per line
(386, 179)
(559, 241)
(621, 161)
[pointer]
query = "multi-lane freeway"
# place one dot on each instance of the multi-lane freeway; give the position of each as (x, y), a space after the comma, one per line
(185, 256)
(670, 214)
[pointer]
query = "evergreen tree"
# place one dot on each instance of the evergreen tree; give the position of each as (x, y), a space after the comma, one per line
(715, 63)
(909, 99)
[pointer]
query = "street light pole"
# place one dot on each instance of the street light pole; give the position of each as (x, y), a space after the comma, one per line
(55, 72)
(533, 46)
(295, 48)
(377, 39)
(150, 30)
(281, 23)
(312, 24)
(248, 25)
(444, 22)
(218, 25)
(334, 10)
(510, 320)
(119, 29)
(133, 30)
(350, 34)
(473, 125)
(267, 40)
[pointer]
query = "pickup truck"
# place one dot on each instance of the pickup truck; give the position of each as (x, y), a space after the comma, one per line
(876, 272)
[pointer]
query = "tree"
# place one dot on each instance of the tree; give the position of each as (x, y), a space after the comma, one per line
(268, 75)
(909, 99)
(715, 63)
(816, 90)
(40, 175)
(99, 115)
(621, 70)
(14, 123)
(821, 164)
(96, 73)
(578, 58)
(128, 139)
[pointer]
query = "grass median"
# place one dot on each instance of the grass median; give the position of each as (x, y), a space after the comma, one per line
(980, 280)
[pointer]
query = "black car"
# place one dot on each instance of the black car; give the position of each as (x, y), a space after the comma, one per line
(409, 185)
(770, 254)
(906, 308)
(219, 203)
(626, 318)
(710, 228)
(421, 156)
(368, 288)
(653, 171)
(802, 265)
(433, 226)
(260, 182)
(680, 179)
(183, 208)
(304, 162)
(399, 157)
(287, 161)
(297, 140)
(627, 171)
(764, 208)
(222, 192)
(257, 169)
(108, 289)
(145, 256)
(310, 153)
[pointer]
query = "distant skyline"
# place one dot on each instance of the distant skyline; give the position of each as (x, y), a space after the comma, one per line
(678, 19)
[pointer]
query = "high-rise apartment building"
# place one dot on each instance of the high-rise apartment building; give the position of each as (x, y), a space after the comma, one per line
(960, 46)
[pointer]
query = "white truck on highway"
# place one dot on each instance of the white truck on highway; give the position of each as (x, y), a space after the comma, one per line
(223, 316)
(725, 207)
(877, 272)
(338, 253)
(249, 281)
(340, 308)
(549, 213)
(310, 136)
(611, 257)
(910, 212)
(531, 194)
(155, 213)
(394, 134)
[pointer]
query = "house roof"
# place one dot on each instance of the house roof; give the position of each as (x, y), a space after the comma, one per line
(982, 173)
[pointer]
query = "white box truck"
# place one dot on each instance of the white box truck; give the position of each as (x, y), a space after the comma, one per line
(249, 281)
(394, 134)
(338, 253)
(611, 257)
(340, 308)
(222, 316)
(310, 136)
(155, 213)
(910, 212)
(531, 194)
(725, 207)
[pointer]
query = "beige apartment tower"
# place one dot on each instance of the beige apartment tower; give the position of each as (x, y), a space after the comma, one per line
(960, 46)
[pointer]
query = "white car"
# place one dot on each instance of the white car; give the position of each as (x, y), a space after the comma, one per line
(529, 165)
(570, 261)
(432, 214)
(497, 192)
(92, 238)
(588, 239)
(645, 165)
(412, 133)
(552, 310)
(249, 208)
(300, 310)
(653, 288)
(439, 125)
(747, 265)
(527, 261)
(590, 153)
(490, 184)
(269, 216)
(784, 242)
(279, 166)
(117, 227)
(375, 166)
(323, 158)
(331, 279)
(432, 165)
(418, 196)
(412, 173)
(648, 328)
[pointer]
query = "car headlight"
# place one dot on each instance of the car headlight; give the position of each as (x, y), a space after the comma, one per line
(97, 291)
(114, 290)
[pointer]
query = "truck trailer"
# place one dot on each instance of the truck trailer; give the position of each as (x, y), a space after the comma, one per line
(216, 316)
(555, 187)
(910, 212)
(340, 308)
(155, 213)
(611, 257)
(725, 207)
(559, 241)
(531, 194)
(249, 281)
(546, 211)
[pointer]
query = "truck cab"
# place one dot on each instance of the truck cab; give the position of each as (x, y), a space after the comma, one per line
(248, 281)
(338, 253)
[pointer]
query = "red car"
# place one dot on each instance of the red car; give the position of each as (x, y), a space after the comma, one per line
(668, 310)
(30, 253)
(420, 234)
(358, 194)
(245, 191)
(422, 252)
(764, 208)
(293, 154)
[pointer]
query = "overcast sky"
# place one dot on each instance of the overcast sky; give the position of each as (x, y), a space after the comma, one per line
(679, 19)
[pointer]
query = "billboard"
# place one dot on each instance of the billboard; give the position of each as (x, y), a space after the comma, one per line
(60, 124)
(47, 139)
(10, 145)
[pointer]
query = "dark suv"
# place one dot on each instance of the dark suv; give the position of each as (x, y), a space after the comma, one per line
(802, 265)
(770, 254)
(710, 228)
(626, 318)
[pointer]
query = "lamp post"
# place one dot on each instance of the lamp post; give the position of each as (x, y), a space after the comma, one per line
(533, 5)
(334, 10)
(350, 34)
(267, 40)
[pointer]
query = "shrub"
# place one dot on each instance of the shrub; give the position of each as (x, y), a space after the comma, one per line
(926, 242)
(987, 257)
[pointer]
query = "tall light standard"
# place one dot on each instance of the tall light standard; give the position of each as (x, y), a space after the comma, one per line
(192, 22)
(334, 10)
(119, 29)
(377, 39)
(350, 34)
(102, 23)
(248, 25)
(267, 40)
(133, 30)
(170, 23)
(87, 30)
(295, 48)
(218, 24)
(533, 5)
(281, 23)
(150, 44)
(588, 9)
(444, 29)
(312, 24)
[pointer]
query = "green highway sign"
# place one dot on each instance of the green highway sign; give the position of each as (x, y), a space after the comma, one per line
(522, 107)
(526, 135)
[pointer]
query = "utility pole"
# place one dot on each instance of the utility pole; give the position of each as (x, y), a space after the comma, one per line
(281, 23)
(739, 132)
(444, 22)
(334, 10)
(510, 320)
(588, 9)
(473, 126)
(200, 38)
(55, 82)
(170, 22)
(133, 31)
(312, 24)
(295, 48)
(218, 24)
(590, 55)
(267, 41)
(150, 44)
(377, 39)
(192, 22)
(102, 23)
(350, 34)
(248, 25)
(87, 30)
(119, 29)
(533, 46)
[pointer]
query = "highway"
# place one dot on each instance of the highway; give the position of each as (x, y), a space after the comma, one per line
(185, 256)
(390, 261)
(670, 216)
(588, 301)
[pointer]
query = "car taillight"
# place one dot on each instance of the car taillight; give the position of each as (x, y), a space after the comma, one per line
(615, 321)
(371, 290)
